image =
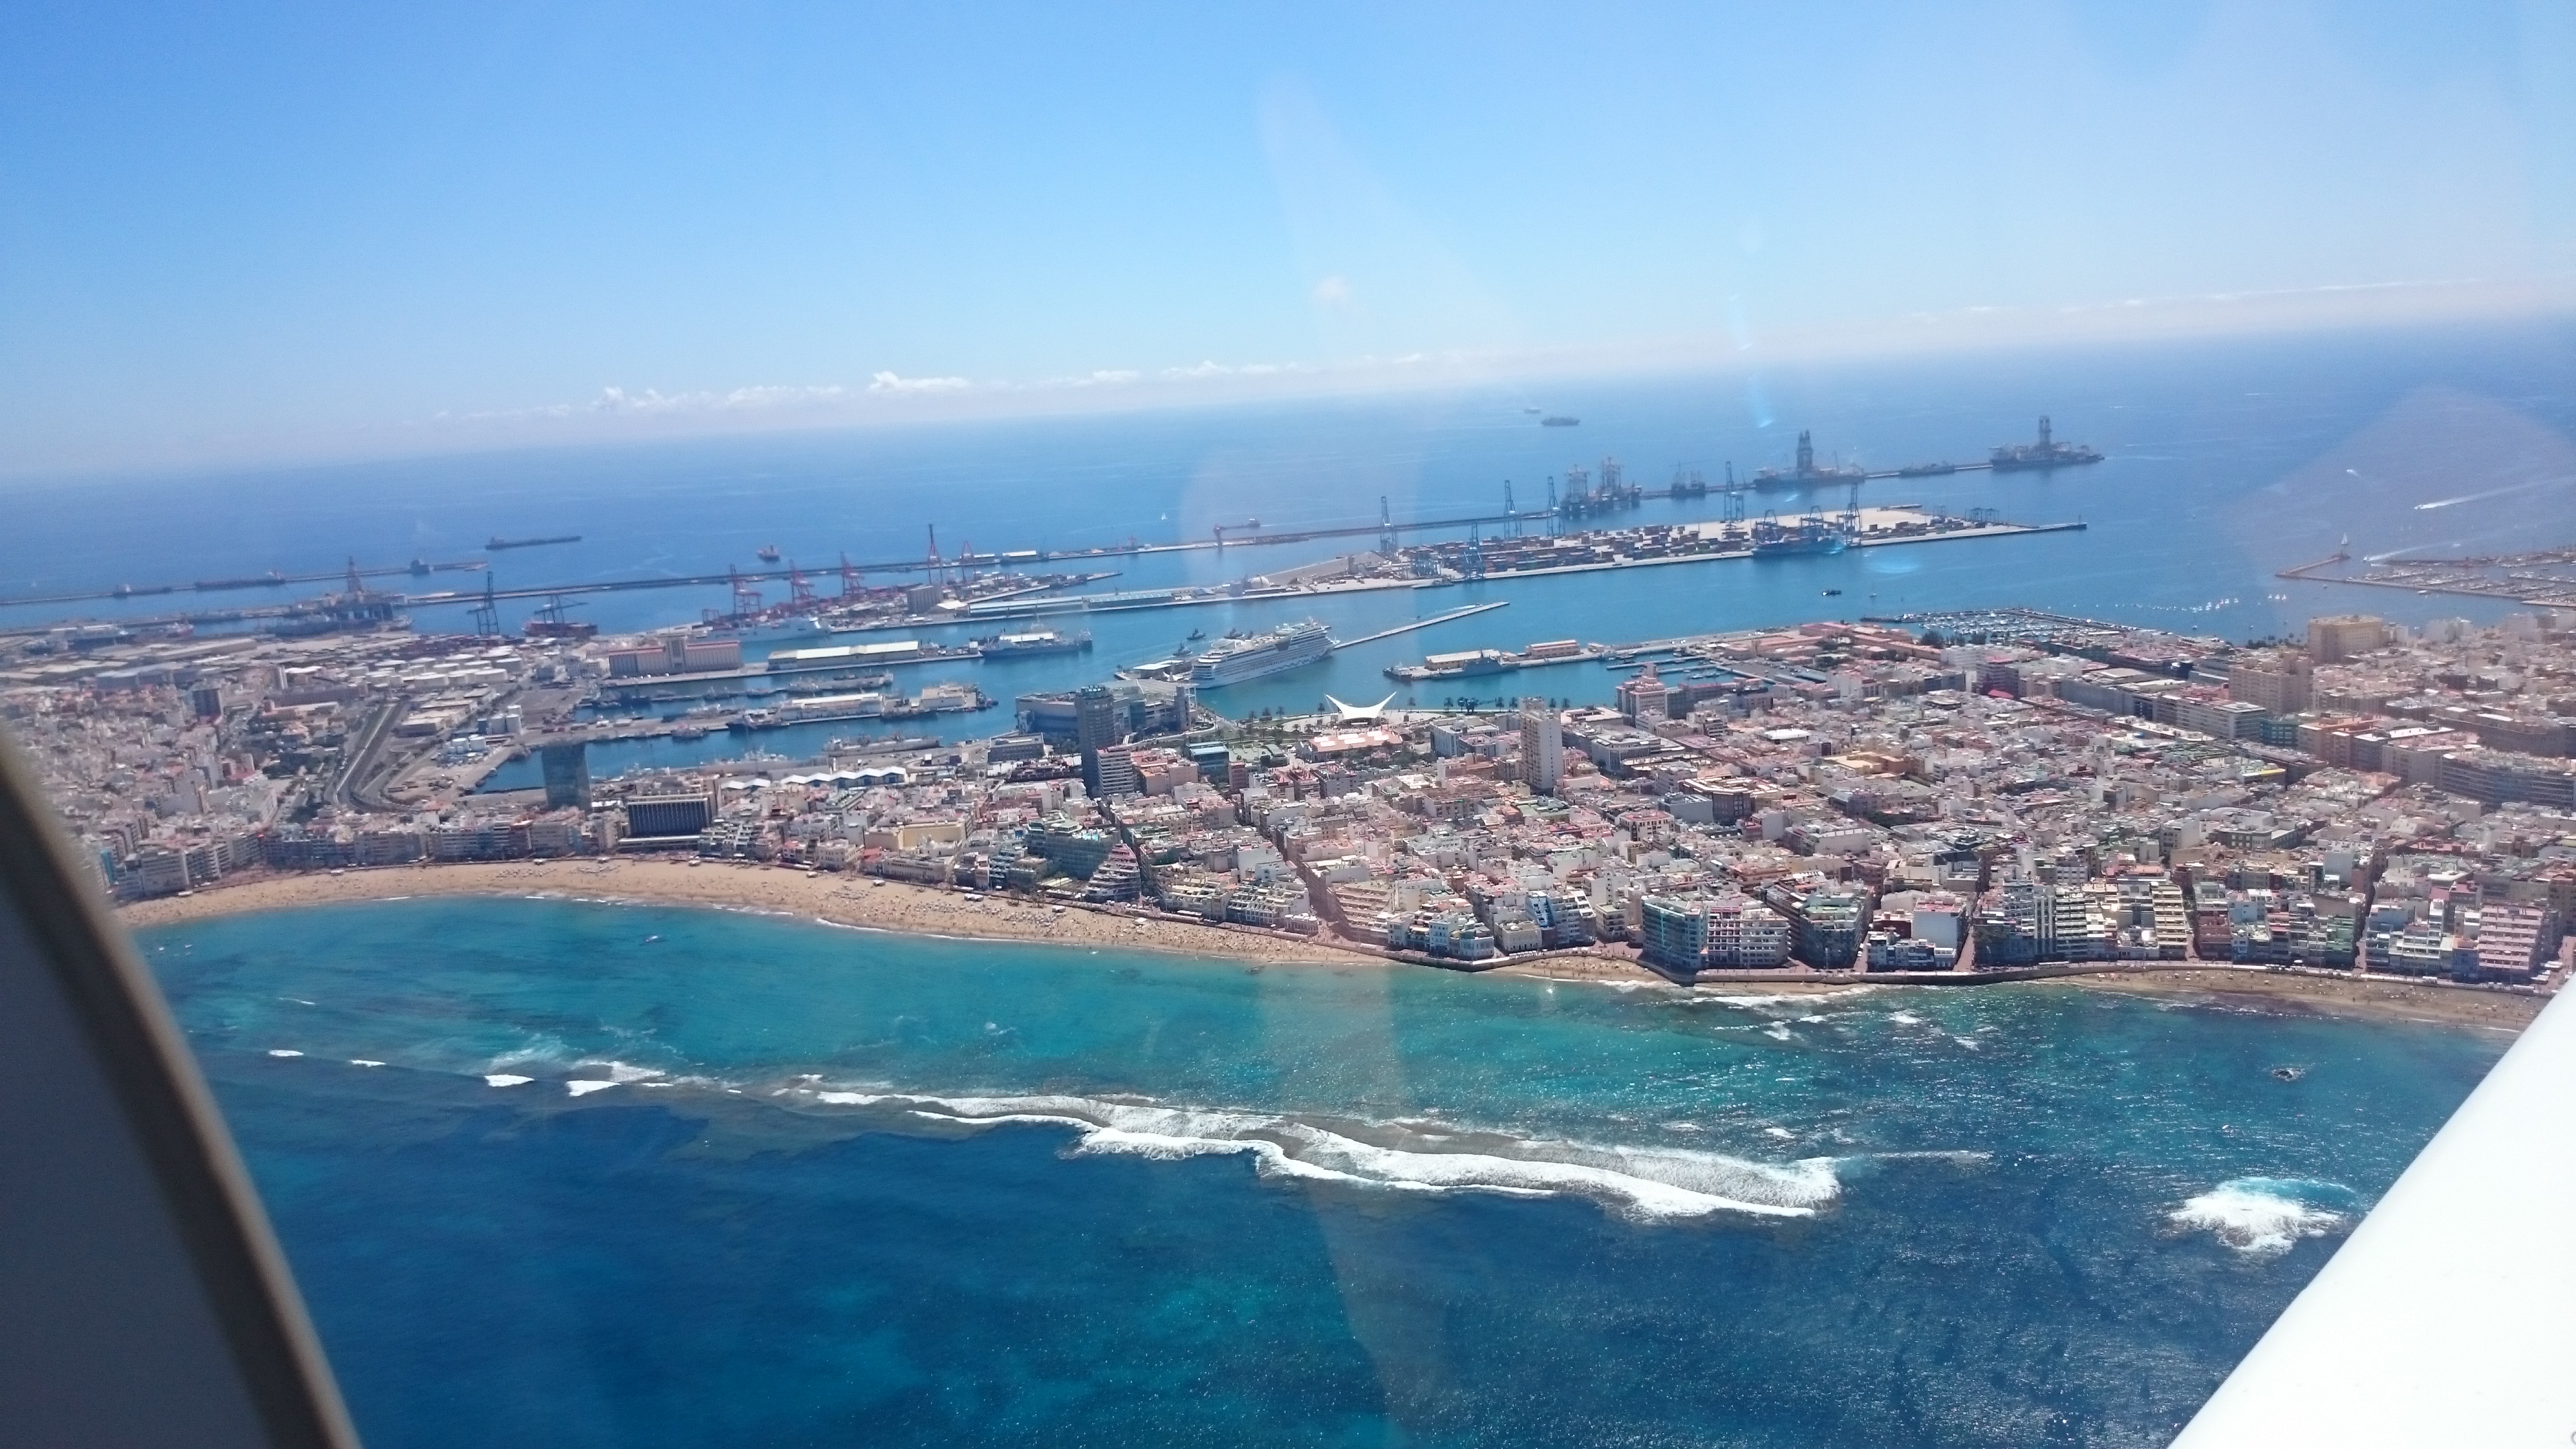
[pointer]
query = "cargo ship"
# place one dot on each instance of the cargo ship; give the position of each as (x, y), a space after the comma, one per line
(1237, 658)
(2046, 453)
(1560, 420)
(768, 553)
(1807, 474)
(1044, 641)
(498, 542)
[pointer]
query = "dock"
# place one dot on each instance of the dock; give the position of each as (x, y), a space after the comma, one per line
(1423, 623)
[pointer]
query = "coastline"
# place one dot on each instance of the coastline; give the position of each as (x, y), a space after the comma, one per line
(862, 901)
(2284, 993)
(871, 903)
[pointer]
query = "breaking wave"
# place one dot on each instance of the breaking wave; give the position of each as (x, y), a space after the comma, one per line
(1643, 1184)
(2264, 1216)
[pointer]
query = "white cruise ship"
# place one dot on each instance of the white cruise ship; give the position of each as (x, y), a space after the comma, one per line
(1233, 660)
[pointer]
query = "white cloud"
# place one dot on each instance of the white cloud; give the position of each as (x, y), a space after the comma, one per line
(652, 401)
(889, 382)
(1236, 369)
(1334, 291)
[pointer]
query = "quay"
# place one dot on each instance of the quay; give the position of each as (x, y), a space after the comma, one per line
(1878, 527)
(1453, 614)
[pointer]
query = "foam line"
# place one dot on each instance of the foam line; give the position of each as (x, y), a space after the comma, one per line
(1640, 1183)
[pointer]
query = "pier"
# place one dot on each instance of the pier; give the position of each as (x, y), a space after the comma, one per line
(1422, 623)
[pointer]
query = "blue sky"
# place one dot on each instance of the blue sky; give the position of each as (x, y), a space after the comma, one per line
(237, 233)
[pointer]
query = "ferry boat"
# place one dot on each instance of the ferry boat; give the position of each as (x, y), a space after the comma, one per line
(1233, 660)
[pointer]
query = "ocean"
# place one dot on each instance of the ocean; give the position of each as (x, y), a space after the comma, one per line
(2227, 461)
(568, 1173)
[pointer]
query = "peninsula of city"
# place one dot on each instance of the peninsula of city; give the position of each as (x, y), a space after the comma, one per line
(2369, 819)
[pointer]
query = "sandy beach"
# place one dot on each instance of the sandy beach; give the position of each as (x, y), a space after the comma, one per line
(840, 899)
(920, 910)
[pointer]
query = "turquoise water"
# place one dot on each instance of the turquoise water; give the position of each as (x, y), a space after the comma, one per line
(852, 1187)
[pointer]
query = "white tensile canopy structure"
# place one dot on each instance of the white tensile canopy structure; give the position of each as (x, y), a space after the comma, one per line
(1360, 713)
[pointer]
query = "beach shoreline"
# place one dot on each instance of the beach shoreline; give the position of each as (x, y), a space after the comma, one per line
(2287, 993)
(866, 902)
(872, 903)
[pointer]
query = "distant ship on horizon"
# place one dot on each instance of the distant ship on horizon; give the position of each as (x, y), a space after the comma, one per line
(1807, 474)
(498, 542)
(2046, 453)
(1559, 420)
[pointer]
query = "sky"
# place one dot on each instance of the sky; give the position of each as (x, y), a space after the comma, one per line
(291, 232)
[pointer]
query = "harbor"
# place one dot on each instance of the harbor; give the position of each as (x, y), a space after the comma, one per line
(966, 578)
(2542, 578)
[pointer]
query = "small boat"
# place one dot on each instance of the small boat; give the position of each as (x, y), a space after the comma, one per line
(1197, 634)
(2289, 1074)
(1833, 593)
(769, 553)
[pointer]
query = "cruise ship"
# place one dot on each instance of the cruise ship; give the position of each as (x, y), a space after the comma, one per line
(1233, 660)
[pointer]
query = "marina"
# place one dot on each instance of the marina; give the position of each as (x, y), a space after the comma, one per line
(2543, 578)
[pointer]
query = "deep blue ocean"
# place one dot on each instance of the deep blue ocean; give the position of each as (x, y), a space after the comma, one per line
(831, 1187)
(2227, 462)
